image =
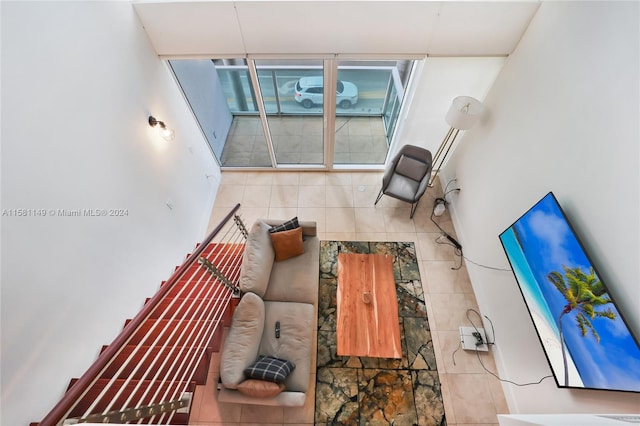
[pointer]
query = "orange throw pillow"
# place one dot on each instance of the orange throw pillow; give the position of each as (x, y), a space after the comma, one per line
(287, 244)
(260, 388)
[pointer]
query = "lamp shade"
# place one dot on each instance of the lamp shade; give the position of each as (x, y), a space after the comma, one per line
(464, 112)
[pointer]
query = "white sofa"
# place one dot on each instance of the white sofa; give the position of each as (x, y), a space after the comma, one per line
(273, 291)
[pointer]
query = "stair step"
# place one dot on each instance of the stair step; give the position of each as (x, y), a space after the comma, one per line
(164, 393)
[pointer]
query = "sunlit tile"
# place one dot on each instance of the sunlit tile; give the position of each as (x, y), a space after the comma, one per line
(256, 195)
(311, 196)
(339, 196)
(284, 196)
(369, 219)
(471, 398)
(341, 220)
(229, 195)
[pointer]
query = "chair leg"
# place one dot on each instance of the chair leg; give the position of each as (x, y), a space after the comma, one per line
(379, 196)
(414, 206)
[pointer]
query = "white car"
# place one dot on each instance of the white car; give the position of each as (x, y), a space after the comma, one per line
(309, 92)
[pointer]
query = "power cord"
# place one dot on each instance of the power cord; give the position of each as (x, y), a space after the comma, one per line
(453, 355)
(439, 206)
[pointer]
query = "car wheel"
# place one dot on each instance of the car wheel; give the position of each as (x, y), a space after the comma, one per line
(307, 103)
(345, 104)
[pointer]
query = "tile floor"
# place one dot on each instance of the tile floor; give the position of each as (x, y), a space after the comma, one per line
(299, 140)
(342, 205)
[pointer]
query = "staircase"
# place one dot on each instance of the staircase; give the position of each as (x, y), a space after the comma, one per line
(148, 373)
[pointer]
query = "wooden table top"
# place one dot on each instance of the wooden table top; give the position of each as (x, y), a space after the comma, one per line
(367, 315)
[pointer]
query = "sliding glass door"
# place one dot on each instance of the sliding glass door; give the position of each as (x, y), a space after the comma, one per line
(293, 105)
(278, 113)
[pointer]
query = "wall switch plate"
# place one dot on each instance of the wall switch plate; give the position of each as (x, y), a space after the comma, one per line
(469, 339)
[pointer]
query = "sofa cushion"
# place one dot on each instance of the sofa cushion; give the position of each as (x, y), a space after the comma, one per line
(241, 346)
(258, 260)
(287, 244)
(270, 368)
(296, 279)
(260, 388)
(296, 341)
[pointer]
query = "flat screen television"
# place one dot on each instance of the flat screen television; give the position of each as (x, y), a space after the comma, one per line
(585, 338)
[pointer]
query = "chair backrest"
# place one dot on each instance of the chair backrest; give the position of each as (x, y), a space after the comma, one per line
(412, 167)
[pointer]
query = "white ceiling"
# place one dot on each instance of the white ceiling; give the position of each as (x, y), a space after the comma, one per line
(253, 27)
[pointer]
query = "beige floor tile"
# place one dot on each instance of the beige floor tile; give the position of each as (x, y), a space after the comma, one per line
(396, 219)
(371, 236)
(367, 178)
(365, 196)
(432, 246)
(313, 178)
(339, 196)
(261, 414)
(284, 196)
(338, 178)
(341, 220)
(369, 219)
(286, 178)
(471, 398)
(441, 277)
(229, 195)
(259, 178)
(256, 195)
(234, 178)
(406, 236)
(339, 236)
(450, 414)
(450, 310)
(311, 196)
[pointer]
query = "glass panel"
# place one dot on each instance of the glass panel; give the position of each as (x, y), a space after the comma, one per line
(223, 101)
(221, 94)
(367, 109)
(391, 110)
(292, 95)
(246, 144)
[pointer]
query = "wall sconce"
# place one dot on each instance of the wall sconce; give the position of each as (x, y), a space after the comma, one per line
(166, 133)
(462, 115)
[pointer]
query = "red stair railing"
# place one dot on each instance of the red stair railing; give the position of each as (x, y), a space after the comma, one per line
(160, 353)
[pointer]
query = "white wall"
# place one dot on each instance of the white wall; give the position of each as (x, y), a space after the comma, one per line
(561, 116)
(79, 80)
(439, 81)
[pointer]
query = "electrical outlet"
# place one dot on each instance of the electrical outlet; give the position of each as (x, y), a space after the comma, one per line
(473, 339)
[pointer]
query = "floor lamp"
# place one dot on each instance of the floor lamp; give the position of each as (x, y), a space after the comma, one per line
(462, 115)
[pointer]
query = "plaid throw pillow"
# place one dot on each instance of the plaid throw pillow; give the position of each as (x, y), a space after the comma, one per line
(286, 226)
(270, 369)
